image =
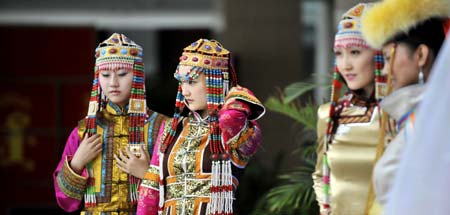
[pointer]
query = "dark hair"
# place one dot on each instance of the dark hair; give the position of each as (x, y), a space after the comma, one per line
(429, 32)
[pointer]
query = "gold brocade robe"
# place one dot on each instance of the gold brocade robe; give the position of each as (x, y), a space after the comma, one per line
(111, 184)
(179, 178)
(350, 156)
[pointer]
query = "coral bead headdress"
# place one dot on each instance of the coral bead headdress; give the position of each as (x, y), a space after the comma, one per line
(119, 52)
(210, 58)
(348, 35)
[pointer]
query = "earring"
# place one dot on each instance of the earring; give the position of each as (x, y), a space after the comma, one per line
(421, 78)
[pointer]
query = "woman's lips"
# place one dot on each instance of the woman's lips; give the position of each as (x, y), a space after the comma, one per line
(350, 77)
(115, 92)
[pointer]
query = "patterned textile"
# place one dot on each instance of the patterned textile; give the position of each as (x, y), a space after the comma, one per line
(111, 184)
(350, 155)
(186, 164)
(211, 59)
(349, 28)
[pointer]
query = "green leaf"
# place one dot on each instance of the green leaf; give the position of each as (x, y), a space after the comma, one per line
(294, 193)
(297, 89)
(306, 115)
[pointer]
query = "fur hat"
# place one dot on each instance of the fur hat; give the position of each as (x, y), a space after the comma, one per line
(387, 19)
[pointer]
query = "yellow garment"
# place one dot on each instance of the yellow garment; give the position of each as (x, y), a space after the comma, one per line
(350, 157)
(111, 183)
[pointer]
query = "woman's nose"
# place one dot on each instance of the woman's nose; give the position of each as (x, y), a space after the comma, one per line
(114, 80)
(385, 70)
(347, 63)
(185, 90)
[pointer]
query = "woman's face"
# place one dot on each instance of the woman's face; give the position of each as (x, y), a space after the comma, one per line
(194, 91)
(405, 67)
(356, 65)
(116, 85)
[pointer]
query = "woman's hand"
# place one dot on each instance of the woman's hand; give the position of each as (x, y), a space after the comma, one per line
(89, 148)
(132, 164)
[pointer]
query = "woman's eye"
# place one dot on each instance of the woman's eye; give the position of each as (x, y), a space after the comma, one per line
(356, 52)
(337, 53)
(105, 75)
(192, 82)
(122, 74)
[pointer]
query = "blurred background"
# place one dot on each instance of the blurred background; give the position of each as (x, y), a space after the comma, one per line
(47, 58)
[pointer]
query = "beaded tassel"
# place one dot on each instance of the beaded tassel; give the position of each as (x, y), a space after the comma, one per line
(335, 94)
(214, 61)
(380, 80)
(383, 84)
(89, 196)
(138, 113)
(221, 183)
(326, 181)
(116, 53)
(179, 106)
(134, 184)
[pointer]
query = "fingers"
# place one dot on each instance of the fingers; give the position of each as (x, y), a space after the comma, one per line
(121, 164)
(92, 138)
(123, 157)
(84, 138)
(97, 147)
(95, 143)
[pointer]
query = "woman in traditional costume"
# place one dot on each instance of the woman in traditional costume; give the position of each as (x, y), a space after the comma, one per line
(348, 127)
(108, 153)
(410, 35)
(203, 151)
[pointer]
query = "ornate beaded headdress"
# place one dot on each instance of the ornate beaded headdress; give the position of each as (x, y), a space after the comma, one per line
(349, 29)
(348, 35)
(118, 52)
(209, 57)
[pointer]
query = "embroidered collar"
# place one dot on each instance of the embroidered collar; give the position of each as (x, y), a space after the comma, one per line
(403, 100)
(115, 109)
(195, 117)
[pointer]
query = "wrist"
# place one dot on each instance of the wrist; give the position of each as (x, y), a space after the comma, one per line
(76, 166)
(141, 173)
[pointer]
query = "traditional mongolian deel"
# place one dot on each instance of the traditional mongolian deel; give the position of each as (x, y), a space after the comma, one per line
(201, 159)
(347, 130)
(103, 187)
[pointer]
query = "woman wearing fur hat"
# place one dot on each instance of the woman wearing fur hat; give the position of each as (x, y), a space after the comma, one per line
(203, 151)
(348, 127)
(107, 154)
(410, 35)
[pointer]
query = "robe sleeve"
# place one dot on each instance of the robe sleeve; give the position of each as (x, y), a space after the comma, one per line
(237, 120)
(69, 186)
(149, 188)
